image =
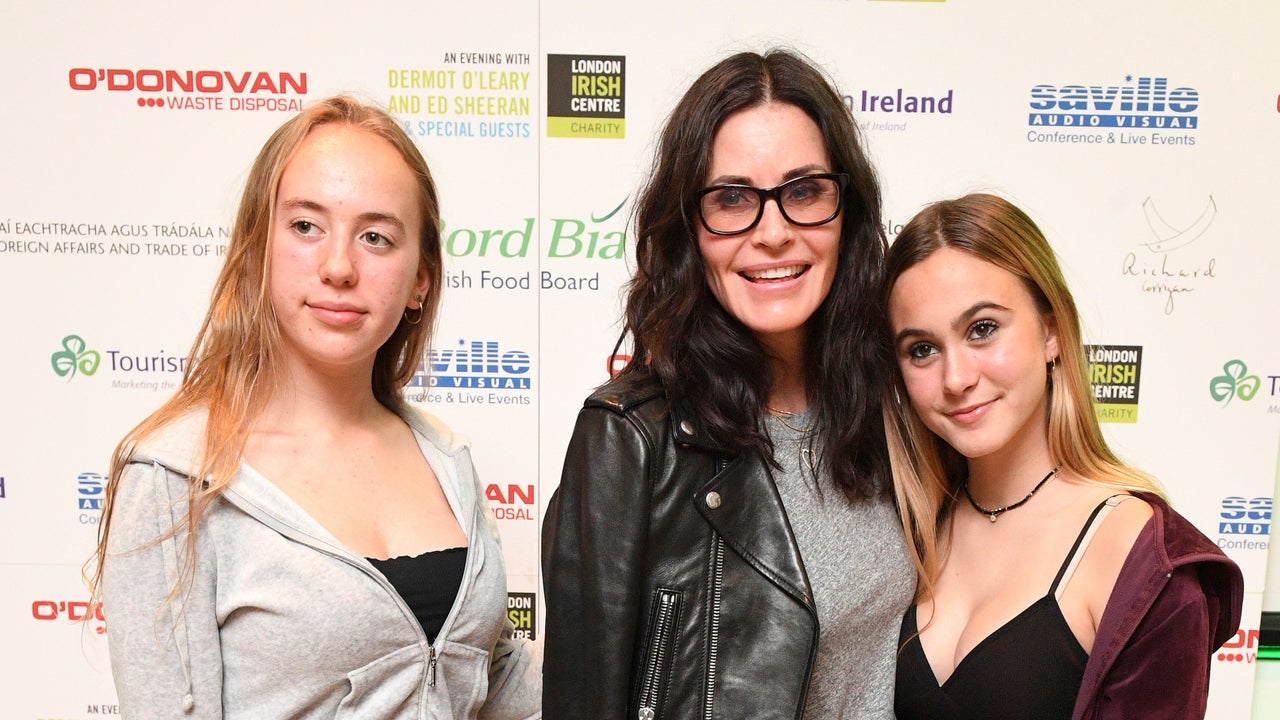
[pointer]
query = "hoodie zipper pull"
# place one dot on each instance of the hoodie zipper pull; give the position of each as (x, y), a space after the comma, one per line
(431, 667)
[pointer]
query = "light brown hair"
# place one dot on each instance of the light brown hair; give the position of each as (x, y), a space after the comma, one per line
(232, 368)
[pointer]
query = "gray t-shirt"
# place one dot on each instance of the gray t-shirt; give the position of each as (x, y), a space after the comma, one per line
(860, 573)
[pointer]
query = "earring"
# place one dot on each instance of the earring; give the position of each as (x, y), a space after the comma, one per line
(418, 318)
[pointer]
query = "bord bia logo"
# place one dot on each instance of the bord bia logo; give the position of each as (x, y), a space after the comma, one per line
(594, 238)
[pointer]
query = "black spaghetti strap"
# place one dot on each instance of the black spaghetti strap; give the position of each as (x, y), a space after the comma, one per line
(1079, 539)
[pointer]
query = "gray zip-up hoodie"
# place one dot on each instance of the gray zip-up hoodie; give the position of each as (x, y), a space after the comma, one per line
(278, 620)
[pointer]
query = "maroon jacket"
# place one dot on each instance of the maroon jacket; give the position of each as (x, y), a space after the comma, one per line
(1177, 601)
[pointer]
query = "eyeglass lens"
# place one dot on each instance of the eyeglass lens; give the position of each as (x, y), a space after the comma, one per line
(806, 200)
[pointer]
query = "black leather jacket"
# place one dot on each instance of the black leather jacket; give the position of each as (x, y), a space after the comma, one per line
(674, 587)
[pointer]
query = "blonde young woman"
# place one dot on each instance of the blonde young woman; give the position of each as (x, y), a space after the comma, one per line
(285, 537)
(1056, 581)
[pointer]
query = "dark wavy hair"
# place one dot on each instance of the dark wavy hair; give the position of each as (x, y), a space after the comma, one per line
(702, 354)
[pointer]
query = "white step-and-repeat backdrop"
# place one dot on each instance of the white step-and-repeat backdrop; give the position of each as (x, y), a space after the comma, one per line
(1143, 136)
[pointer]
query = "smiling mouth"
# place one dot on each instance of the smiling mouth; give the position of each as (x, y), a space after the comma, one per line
(970, 413)
(777, 274)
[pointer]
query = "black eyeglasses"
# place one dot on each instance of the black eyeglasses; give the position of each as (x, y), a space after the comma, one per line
(806, 201)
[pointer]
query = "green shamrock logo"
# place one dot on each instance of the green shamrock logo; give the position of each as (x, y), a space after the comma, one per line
(75, 355)
(1233, 382)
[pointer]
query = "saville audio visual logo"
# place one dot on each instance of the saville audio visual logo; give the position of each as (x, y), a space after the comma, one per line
(1139, 111)
(189, 89)
(1235, 382)
(474, 372)
(586, 96)
(1114, 373)
(522, 612)
(75, 356)
(90, 494)
(1245, 516)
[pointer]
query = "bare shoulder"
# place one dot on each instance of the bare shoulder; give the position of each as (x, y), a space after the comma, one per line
(1129, 515)
(1110, 548)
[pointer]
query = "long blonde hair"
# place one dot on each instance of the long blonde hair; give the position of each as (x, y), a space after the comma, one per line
(231, 369)
(927, 472)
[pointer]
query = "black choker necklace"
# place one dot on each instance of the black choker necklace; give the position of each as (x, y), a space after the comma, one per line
(997, 512)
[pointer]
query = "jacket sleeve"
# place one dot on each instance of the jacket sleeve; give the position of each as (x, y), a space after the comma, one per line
(593, 545)
(165, 651)
(1163, 671)
(515, 665)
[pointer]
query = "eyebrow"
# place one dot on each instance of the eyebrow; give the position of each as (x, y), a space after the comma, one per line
(372, 216)
(961, 320)
(788, 175)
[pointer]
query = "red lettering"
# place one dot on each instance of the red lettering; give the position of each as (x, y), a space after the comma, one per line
(264, 83)
(616, 363)
(1244, 639)
(240, 86)
(81, 79)
(44, 610)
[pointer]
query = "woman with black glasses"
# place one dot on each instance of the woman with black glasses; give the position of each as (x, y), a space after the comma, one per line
(723, 543)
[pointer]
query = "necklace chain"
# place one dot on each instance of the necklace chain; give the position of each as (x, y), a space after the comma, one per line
(806, 453)
(992, 514)
(782, 415)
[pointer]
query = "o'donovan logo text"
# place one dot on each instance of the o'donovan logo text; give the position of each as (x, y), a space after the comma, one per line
(197, 89)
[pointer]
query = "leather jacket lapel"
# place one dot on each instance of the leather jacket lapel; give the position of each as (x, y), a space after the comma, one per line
(742, 504)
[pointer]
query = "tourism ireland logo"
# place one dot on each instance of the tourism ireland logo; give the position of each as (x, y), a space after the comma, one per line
(74, 356)
(1233, 383)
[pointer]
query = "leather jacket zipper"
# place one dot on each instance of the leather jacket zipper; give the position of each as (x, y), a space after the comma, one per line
(661, 635)
(715, 581)
(713, 622)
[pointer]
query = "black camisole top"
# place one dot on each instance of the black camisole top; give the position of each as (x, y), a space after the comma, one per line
(428, 583)
(1030, 667)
